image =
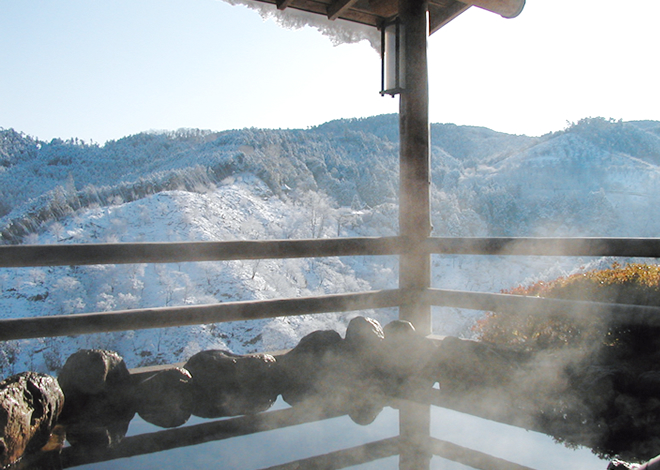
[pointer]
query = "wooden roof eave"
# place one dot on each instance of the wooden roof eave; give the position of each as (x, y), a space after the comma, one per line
(375, 12)
(438, 17)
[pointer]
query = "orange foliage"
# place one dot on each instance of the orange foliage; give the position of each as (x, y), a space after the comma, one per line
(634, 283)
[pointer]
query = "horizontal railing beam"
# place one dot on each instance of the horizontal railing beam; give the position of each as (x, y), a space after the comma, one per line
(515, 304)
(624, 247)
(12, 256)
(166, 252)
(122, 320)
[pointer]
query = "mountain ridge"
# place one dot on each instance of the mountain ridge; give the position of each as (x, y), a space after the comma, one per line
(40, 179)
(337, 180)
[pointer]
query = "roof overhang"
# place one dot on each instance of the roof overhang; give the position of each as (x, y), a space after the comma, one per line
(376, 12)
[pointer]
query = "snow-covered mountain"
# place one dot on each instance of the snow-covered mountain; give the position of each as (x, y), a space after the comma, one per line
(598, 177)
(240, 207)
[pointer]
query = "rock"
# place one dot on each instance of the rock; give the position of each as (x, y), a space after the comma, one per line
(165, 398)
(93, 371)
(30, 403)
(227, 384)
(95, 435)
(304, 370)
(364, 335)
(363, 350)
(364, 410)
(98, 391)
(405, 353)
(596, 384)
(398, 329)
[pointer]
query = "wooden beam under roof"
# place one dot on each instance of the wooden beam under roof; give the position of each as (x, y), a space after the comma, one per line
(375, 12)
(505, 8)
(336, 8)
(282, 4)
(320, 7)
(440, 16)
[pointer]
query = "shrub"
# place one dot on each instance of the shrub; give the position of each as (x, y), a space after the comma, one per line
(634, 283)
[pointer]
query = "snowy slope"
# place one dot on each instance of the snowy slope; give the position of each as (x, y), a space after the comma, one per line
(241, 208)
(596, 178)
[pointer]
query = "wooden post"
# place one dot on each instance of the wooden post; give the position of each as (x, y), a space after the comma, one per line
(414, 188)
(415, 214)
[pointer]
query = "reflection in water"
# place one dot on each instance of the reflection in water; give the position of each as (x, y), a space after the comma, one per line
(378, 379)
(604, 398)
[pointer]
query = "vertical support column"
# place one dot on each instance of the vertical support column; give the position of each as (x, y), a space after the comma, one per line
(415, 173)
(415, 215)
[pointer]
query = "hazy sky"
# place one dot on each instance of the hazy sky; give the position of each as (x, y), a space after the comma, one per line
(100, 69)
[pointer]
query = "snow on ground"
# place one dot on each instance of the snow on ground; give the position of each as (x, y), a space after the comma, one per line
(240, 208)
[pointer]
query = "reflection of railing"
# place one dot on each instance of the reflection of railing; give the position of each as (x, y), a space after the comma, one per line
(54, 255)
(193, 435)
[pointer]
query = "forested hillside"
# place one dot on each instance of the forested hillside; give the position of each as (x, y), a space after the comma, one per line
(352, 161)
(597, 177)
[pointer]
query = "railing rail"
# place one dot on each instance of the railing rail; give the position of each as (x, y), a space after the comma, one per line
(110, 253)
(613, 313)
(530, 246)
(122, 320)
(12, 256)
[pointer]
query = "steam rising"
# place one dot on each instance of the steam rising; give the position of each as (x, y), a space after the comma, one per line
(339, 31)
(584, 372)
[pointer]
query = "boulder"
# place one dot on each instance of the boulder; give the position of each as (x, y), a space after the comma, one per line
(364, 335)
(363, 343)
(227, 384)
(364, 410)
(93, 371)
(330, 370)
(305, 370)
(30, 403)
(98, 391)
(97, 434)
(165, 398)
(406, 356)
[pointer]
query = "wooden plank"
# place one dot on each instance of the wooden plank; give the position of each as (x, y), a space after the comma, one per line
(355, 15)
(283, 4)
(415, 163)
(505, 8)
(515, 304)
(438, 17)
(126, 253)
(624, 247)
(339, 7)
(138, 319)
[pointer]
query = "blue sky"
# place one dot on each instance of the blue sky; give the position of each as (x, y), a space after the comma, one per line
(101, 70)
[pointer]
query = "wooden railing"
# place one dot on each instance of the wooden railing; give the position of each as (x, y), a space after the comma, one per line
(55, 255)
(116, 253)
